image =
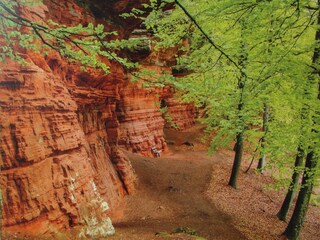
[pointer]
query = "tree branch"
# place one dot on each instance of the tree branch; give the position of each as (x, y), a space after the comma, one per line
(43, 40)
(208, 38)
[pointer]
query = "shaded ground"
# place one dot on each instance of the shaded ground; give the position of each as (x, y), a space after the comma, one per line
(252, 206)
(172, 195)
(186, 188)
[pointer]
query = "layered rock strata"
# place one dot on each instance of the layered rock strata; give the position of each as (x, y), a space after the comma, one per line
(141, 122)
(61, 165)
(49, 172)
(61, 130)
(178, 115)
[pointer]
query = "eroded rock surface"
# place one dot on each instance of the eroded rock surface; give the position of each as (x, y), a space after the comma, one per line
(48, 171)
(61, 133)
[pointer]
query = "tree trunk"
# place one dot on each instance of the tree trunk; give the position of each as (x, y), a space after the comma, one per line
(282, 214)
(262, 161)
(237, 160)
(262, 158)
(293, 229)
(238, 147)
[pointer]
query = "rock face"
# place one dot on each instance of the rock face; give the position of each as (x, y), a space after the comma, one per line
(141, 122)
(178, 115)
(50, 170)
(61, 130)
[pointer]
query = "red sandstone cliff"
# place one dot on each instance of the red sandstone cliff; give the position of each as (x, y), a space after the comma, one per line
(61, 130)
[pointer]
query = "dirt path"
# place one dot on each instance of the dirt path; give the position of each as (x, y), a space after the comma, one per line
(171, 194)
(187, 188)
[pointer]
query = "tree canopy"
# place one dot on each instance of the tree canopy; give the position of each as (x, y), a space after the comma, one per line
(241, 57)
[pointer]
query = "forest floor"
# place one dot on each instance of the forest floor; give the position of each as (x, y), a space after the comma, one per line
(184, 195)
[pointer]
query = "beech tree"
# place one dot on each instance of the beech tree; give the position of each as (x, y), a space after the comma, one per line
(293, 186)
(262, 158)
(309, 175)
(214, 61)
(279, 45)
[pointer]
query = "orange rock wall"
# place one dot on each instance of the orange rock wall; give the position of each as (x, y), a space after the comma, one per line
(141, 122)
(179, 115)
(48, 170)
(60, 161)
(61, 130)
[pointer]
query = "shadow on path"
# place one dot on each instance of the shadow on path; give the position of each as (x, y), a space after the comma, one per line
(170, 194)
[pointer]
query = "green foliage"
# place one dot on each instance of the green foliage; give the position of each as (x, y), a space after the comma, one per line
(84, 44)
(278, 38)
(186, 230)
(166, 115)
(182, 230)
(151, 78)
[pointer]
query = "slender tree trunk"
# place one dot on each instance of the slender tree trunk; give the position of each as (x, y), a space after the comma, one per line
(241, 67)
(262, 161)
(237, 160)
(238, 147)
(262, 158)
(293, 229)
(282, 214)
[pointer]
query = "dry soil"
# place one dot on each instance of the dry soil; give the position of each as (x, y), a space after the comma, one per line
(186, 191)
